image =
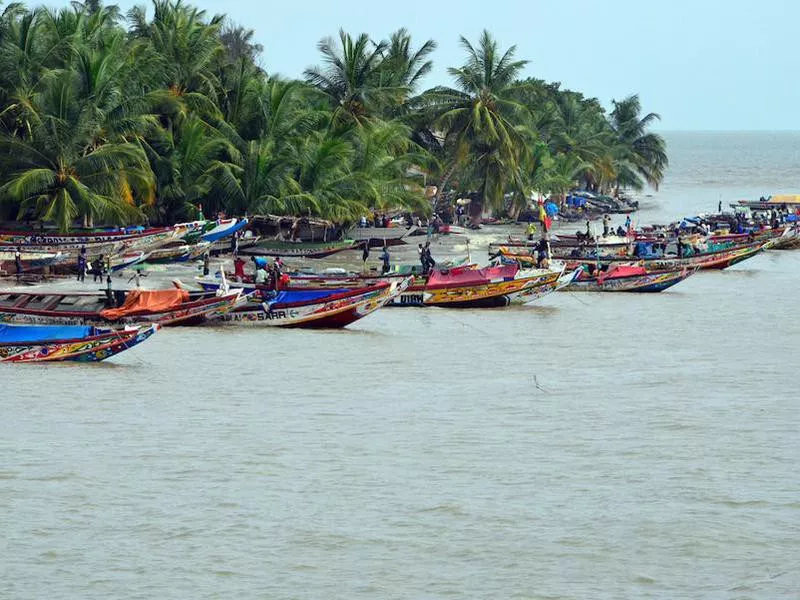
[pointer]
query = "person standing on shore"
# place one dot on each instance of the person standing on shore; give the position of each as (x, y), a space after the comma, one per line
(18, 263)
(206, 264)
(606, 224)
(97, 269)
(628, 224)
(82, 265)
(238, 269)
(365, 254)
(385, 259)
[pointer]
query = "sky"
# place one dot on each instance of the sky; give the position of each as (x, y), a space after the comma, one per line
(702, 64)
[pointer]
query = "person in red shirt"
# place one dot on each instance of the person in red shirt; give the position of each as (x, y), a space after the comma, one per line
(238, 269)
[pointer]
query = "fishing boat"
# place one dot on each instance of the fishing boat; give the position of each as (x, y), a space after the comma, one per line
(381, 236)
(317, 308)
(75, 343)
(177, 253)
(717, 259)
(296, 249)
(224, 228)
(627, 278)
(130, 240)
(31, 260)
(165, 307)
(472, 287)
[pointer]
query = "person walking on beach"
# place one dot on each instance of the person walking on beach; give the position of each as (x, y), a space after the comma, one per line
(385, 259)
(531, 230)
(109, 293)
(18, 263)
(82, 265)
(97, 269)
(365, 254)
(606, 224)
(206, 264)
(628, 224)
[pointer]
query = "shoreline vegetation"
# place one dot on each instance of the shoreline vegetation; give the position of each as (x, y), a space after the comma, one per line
(151, 116)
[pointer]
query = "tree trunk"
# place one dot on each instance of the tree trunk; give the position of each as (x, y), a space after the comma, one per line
(443, 182)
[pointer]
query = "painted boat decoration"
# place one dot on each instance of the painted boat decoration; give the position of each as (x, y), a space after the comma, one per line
(297, 249)
(472, 287)
(623, 278)
(74, 343)
(131, 240)
(165, 307)
(317, 309)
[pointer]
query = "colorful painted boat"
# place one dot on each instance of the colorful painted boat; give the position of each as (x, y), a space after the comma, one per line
(165, 307)
(224, 228)
(472, 287)
(624, 278)
(31, 260)
(719, 259)
(297, 249)
(317, 309)
(75, 343)
(177, 253)
(130, 240)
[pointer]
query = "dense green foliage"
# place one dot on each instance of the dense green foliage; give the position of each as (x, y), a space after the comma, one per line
(118, 118)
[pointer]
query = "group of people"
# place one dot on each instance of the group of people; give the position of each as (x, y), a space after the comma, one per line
(267, 273)
(385, 258)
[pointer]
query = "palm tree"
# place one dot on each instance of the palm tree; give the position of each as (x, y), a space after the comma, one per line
(351, 79)
(639, 156)
(480, 118)
(58, 174)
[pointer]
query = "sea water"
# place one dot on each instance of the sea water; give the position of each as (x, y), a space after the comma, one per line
(588, 446)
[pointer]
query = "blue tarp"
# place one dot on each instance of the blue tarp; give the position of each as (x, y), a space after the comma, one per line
(290, 296)
(551, 209)
(43, 333)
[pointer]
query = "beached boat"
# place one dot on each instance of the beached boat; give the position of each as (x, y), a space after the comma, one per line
(626, 278)
(224, 228)
(75, 343)
(296, 249)
(130, 240)
(381, 236)
(165, 307)
(177, 253)
(31, 261)
(317, 308)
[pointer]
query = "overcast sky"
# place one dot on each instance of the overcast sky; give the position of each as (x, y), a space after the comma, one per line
(702, 64)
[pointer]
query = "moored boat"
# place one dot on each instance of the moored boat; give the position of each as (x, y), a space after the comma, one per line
(317, 308)
(75, 343)
(296, 249)
(165, 307)
(625, 278)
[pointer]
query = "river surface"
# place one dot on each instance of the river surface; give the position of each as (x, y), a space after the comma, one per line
(587, 446)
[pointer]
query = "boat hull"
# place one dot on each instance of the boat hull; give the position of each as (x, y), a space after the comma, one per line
(647, 283)
(93, 349)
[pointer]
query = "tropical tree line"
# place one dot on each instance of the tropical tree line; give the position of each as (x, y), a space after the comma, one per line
(119, 118)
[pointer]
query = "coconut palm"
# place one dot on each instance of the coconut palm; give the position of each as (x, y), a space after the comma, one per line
(639, 156)
(481, 119)
(351, 77)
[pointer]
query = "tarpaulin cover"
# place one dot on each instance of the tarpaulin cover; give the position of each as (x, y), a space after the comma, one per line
(139, 302)
(43, 333)
(624, 271)
(292, 296)
(466, 276)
